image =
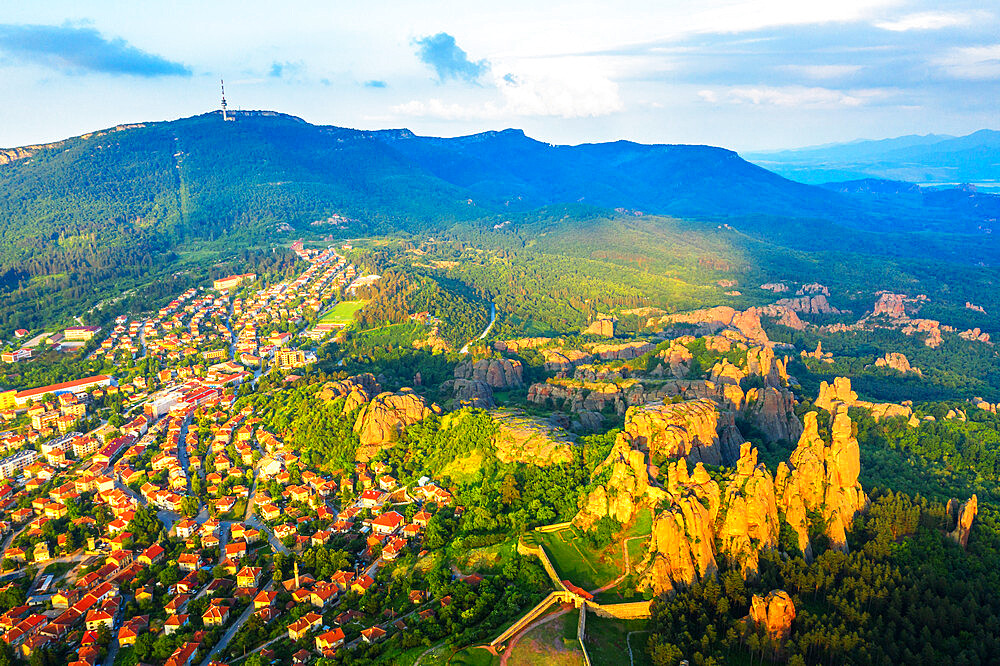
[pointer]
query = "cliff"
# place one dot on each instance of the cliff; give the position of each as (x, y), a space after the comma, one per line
(381, 422)
(961, 516)
(773, 613)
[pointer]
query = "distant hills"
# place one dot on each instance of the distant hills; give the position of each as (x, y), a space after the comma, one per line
(87, 217)
(930, 159)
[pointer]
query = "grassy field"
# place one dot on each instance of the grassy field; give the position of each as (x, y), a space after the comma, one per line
(473, 656)
(606, 641)
(553, 643)
(577, 562)
(485, 559)
(342, 313)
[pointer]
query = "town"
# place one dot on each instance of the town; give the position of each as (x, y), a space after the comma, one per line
(161, 521)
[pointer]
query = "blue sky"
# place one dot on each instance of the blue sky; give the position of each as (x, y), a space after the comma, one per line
(745, 75)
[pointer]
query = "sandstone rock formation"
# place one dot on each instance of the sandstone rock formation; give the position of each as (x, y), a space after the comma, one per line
(819, 354)
(498, 373)
(975, 335)
(381, 421)
(620, 352)
(356, 390)
(772, 411)
(809, 305)
(774, 613)
(604, 327)
(813, 288)
(890, 305)
(930, 327)
(564, 360)
(745, 325)
(896, 361)
(521, 438)
(678, 358)
(823, 478)
(973, 306)
(694, 430)
(471, 393)
(783, 315)
(751, 513)
(840, 395)
(961, 516)
(776, 287)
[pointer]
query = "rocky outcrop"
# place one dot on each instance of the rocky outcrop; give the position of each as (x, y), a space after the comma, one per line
(973, 306)
(890, 305)
(694, 430)
(520, 344)
(783, 315)
(751, 513)
(626, 489)
(471, 393)
(896, 361)
(605, 327)
(809, 305)
(822, 478)
(497, 373)
(819, 354)
(761, 361)
(774, 613)
(776, 287)
(975, 335)
(931, 328)
(677, 359)
(744, 325)
(961, 516)
(381, 422)
(564, 360)
(772, 411)
(356, 390)
(813, 288)
(521, 438)
(620, 352)
(840, 395)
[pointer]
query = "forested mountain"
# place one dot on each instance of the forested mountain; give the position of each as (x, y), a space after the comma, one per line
(90, 217)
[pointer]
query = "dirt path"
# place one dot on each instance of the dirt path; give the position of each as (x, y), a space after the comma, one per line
(514, 641)
(628, 567)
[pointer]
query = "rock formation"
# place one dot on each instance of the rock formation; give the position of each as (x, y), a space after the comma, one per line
(813, 288)
(776, 287)
(840, 395)
(621, 352)
(605, 327)
(961, 516)
(381, 421)
(930, 327)
(783, 315)
(774, 613)
(694, 430)
(809, 305)
(564, 360)
(896, 361)
(471, 393)
(356, 390)
(745, 325)
(498, 373)
(751, 513)
(819, 354)
(521, 438)
(975, 335)
(890, 305)
(772, 411)
(678, 358)
(520, 344)
(823, 478)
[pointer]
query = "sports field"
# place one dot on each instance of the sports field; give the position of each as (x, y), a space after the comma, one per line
(342, 313)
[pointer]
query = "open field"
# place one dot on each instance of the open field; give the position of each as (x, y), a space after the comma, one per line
(552, 643)
(606, 641)
(342, 313)
(576, 561)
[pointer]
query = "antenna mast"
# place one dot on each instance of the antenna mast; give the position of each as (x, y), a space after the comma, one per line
(223, 83)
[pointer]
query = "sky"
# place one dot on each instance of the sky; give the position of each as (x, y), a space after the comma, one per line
(760, 75)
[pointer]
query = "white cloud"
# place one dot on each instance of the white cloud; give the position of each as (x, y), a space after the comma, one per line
(972, 62)
(791, 96)
(563, 88)
(926, 21)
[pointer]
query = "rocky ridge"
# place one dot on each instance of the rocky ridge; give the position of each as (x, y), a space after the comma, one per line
(381, 422)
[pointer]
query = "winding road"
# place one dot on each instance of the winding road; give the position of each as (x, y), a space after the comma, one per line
(486, 331)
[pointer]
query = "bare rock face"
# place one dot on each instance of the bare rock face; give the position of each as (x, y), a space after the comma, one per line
(678, 358)
(498, 373)
(809, 305)
(627, 488)
(521, 438)
(382, 421)
(838, 393)
(625, 351)
(776, 287)
(891, 305)
(686, 429)
(975, 335)
(604, 327)
(822, 477)
(896, 361)
(520, 344)
(774, 612)
(751, 513)
(743, 324)
(783, 315)
(356, 390)
(931, 328)
(725, 372)
(961, 516)
(564, 360)
(772, 410)
(813, 288)
(819, 354)
(471, 393)
(761, 361)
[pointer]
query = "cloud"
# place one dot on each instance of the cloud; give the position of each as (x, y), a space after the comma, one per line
(74, 48)
(972, 62)
(926, 21)
(375, 83)
(823, 71)
(284, 70)
(449, 61)
(791, 96)
(564, 89)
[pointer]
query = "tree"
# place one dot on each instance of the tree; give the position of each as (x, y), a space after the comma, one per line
(190, 506)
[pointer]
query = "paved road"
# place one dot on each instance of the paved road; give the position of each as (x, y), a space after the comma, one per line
(486, 331)
(113, 645)
(231, 631)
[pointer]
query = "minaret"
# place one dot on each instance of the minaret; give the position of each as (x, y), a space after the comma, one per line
(224, 118)
(296, 565)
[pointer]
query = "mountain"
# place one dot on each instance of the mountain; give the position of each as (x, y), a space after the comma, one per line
(88, 218)
(930, 159)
